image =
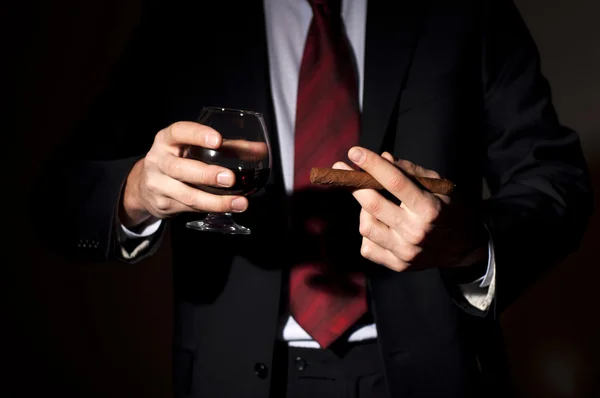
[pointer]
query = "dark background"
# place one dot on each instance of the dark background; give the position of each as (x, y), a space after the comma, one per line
(105, 330)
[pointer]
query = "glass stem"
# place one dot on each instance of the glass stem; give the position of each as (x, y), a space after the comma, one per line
(212, 217)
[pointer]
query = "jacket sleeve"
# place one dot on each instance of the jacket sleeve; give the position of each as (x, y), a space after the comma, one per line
(541, 197)
(81, 182)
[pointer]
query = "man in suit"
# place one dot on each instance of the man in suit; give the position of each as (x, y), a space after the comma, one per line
(451, 89)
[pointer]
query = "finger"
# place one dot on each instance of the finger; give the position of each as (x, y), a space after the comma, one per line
(407, 226)
(195, 172)
(379, 207)
(392, 179)
(341, 166)
(410, 167)
(196, 199)
(388, 156)
(157, 194)
(167, 206)
(204, 201)
(376, 231)
(249, 151)
(388, 238)
(190, 133)
(377, 254)
(415, 170)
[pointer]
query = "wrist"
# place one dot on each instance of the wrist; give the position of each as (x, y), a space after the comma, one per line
(132, 212)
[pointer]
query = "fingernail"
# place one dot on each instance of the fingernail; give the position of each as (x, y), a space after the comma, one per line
(224, 179)
(211, 140)
(238, 204)
(356, 155)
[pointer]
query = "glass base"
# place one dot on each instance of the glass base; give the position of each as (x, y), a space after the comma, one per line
(219, 222)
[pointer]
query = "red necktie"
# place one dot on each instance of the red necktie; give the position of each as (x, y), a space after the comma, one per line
(327, 126)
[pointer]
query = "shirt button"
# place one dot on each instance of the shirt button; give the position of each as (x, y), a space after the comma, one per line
(260, 370)
(300, 363)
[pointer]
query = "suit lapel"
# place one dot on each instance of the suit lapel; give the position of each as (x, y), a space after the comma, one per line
(391, 38)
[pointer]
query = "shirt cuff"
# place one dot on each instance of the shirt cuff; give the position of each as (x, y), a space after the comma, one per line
(148, 230)
(486, 280)
(481, 292)
(133, 244)
(480, 297)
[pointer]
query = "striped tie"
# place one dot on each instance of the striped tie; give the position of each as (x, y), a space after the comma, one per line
(327, 125)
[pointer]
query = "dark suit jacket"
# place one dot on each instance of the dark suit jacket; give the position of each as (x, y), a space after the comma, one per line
(454, 86)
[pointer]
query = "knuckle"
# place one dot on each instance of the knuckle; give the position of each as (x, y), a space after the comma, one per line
(175, 127)
(398, 183)
(188, 199)
(161, 136)
(364, 216)
(202, 176)
(151, 185)
(373, 206)
(397, 266)
(406, 165)
(366, 229)
(151, 158)
(419, 235)
(161, 163)
(420, 171)
(162, 204)
(174, 131)
(173, 168)
(432, 212)
(397, 220)
(365, 250)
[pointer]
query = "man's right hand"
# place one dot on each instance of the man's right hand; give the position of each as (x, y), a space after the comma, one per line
(162, 183)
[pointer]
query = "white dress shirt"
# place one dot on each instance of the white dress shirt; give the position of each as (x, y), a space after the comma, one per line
(287, 23)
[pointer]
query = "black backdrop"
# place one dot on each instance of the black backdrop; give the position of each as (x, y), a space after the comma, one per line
(104, 330)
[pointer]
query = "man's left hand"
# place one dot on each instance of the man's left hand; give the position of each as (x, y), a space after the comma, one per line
(425, 230)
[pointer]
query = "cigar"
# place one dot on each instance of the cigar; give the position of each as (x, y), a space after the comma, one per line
(363, 180)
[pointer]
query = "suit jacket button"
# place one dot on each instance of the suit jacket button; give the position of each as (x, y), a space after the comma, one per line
(260, 370)
(300, 363)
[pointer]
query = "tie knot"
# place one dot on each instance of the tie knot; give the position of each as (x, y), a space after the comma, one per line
(332, 7)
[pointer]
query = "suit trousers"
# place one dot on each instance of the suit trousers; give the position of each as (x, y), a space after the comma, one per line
(352, 371)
